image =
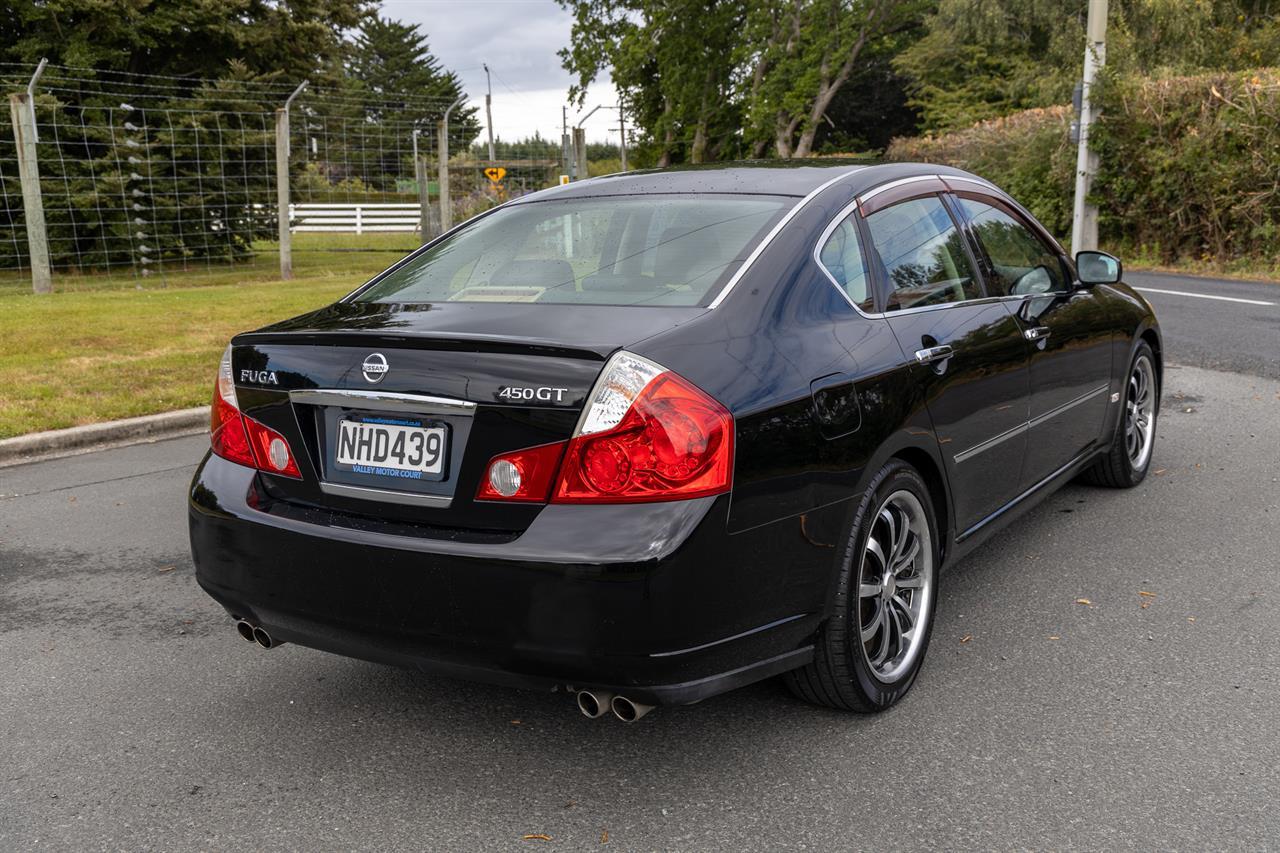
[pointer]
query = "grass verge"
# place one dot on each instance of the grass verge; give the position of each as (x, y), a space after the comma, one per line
(114, 346)
(101, 348)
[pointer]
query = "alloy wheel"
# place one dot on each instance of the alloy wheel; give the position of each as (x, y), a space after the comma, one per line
(895, 586)
(1140, 413)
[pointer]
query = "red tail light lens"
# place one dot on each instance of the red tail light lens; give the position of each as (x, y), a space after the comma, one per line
(525, 475)
(227, 434)
(672, 442)
(238, 437)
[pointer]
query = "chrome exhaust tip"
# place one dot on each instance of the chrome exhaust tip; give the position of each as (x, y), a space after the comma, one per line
(262, 638)
(244, 629)
(627, 710)
(594, 704)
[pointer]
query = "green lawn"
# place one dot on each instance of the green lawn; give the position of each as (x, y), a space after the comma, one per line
(100, 348)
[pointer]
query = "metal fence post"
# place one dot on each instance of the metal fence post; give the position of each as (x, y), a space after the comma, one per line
(425, 228)
(446, 214)
(446, 209)
(424, 199)
(282, 184)
(24, 137)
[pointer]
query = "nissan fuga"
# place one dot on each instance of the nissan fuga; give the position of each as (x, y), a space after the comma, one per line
(651, 437)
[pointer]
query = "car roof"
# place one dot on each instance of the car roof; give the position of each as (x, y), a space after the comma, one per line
(764, 177)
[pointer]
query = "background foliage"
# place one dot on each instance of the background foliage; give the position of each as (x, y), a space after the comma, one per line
(1190, 166)
(158, 127)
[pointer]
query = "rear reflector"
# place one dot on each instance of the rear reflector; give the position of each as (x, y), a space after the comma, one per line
(523, 475)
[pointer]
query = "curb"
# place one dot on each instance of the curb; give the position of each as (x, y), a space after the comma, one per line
(83, 439)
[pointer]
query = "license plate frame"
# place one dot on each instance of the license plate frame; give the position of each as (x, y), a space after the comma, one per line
(378, 466)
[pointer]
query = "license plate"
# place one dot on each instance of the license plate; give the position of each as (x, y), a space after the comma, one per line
(389, 449)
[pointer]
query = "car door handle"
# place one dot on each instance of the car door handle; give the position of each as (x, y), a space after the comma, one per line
(932, 354)
(1036, 333)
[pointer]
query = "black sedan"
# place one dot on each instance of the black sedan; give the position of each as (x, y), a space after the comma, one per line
(651, 437)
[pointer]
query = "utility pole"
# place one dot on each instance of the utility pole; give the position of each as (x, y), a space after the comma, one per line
(1084, 217)
(282, 184)
(22, 111)
(580, 141)
(488, 109)
(622, 135)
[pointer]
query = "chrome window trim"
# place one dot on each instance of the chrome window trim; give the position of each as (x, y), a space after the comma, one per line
(822, 241)
(900, 182)
(880, 315)
(422, 404)
(946, 179)
(367, 494)
(773, 232)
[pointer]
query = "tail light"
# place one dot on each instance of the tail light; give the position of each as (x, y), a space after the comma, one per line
(237, 437)
(647, 434)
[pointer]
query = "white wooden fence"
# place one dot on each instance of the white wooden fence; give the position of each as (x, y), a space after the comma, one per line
(357, 218)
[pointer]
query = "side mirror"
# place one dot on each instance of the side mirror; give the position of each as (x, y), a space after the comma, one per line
(1098, 268)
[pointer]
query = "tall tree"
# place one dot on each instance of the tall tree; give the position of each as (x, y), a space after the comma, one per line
(181, 38)
(695, 73)
(402, 80)
(673, 63)
(802, 54)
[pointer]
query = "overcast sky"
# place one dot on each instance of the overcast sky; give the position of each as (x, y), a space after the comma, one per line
(519, 40)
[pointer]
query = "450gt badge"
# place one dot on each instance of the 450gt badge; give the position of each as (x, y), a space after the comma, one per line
(542, 394)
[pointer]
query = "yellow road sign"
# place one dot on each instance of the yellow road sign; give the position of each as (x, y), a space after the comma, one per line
(495, 173)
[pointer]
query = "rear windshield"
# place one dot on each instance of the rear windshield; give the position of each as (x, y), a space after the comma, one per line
(619, 250)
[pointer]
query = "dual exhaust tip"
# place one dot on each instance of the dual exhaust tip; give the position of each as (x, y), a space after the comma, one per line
(256, 634)
(592, 703)
(597, 703)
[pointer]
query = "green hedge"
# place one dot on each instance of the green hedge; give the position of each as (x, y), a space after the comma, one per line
(1190, 166)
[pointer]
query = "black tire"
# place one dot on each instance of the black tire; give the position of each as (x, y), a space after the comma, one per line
(1118, 469)
(841, 674)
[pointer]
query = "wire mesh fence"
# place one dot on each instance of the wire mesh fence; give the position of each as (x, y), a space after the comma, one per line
(146, 179)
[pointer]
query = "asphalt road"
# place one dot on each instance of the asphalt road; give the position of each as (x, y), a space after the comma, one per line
(1220, 324)
(132, 716)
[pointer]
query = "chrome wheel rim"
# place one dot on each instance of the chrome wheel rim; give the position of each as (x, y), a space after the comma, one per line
(1140, 413)
(895, 586)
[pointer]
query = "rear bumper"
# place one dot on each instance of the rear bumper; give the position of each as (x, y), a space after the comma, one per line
(654, 600)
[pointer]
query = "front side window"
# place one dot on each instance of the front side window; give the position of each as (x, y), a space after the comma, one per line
(1021, 262)
(842, 257)
(618, 250)
(922, 255)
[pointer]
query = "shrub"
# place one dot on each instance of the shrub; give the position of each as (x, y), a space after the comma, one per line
(1190, 166)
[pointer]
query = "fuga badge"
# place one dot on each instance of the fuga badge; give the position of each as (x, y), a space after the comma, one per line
(259, 377)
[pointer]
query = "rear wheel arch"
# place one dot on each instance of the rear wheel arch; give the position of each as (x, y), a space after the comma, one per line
(1152, 338)
(929, 469)
(919, 450)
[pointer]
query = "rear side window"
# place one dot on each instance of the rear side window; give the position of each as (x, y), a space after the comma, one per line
(842, 257)
(1022, 263)
(617, 250)
(922, 255)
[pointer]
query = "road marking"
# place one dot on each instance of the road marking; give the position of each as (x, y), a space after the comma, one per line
(1204, 296)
